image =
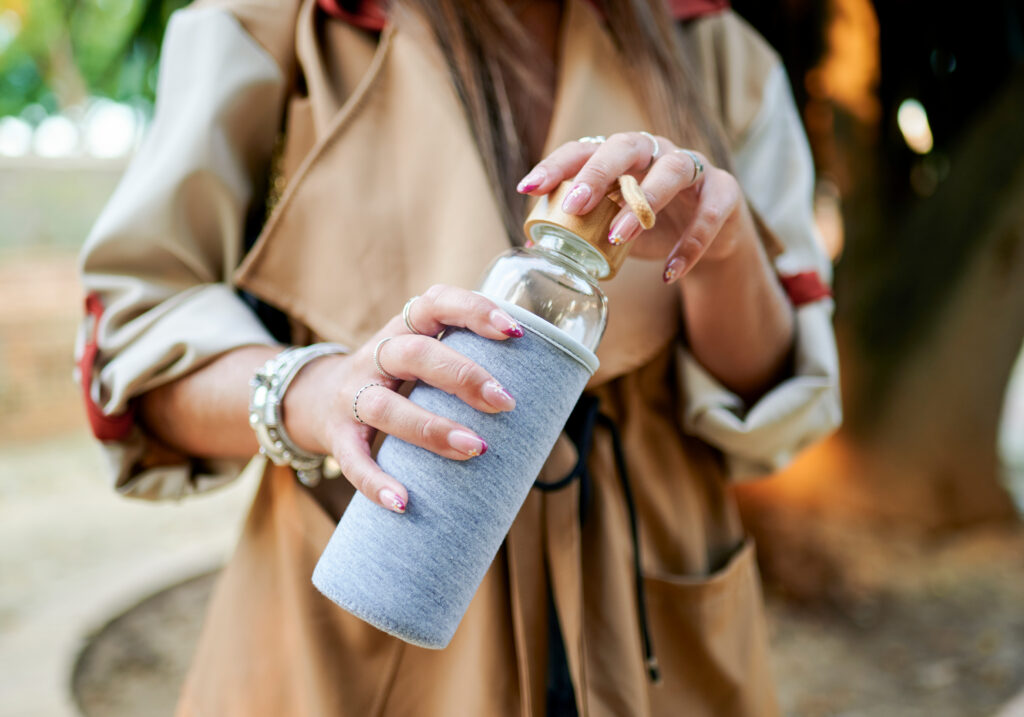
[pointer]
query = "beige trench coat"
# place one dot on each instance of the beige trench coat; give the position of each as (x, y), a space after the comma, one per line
(384, 195)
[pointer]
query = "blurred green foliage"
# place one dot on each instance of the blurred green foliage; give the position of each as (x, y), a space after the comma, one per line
(55, 53)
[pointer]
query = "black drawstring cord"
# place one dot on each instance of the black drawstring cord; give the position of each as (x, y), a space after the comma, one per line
(653, 671)
(580, 428)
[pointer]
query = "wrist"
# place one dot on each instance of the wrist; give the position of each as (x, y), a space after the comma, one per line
(302, 411)
(269, 386)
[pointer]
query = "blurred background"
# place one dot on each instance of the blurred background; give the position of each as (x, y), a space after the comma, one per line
(893, 553)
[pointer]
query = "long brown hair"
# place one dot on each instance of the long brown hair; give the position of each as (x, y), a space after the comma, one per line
(484, 43)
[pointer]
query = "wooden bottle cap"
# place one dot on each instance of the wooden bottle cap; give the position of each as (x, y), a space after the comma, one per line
(592, 227)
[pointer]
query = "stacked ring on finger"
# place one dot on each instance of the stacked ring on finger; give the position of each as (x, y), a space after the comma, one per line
(355, 399)
(596, 139)
(656, 149)
(698, 166)
(405, 316)
(376, 360)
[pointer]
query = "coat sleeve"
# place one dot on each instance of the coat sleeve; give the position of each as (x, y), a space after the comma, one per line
(156, 267)
(772, 162)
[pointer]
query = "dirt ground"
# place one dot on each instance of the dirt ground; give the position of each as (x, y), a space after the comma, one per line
(943, 637)
(100, 598)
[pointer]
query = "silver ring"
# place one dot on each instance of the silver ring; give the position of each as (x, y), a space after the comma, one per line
(405, 316)
(596, 139)
(376, 360)
(355, 400)
(657, 147)
(698, 166)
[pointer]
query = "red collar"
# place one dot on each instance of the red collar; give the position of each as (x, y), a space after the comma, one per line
(372, 15)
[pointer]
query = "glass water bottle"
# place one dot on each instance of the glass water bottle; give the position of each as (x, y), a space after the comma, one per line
(414, 575)
(555, 276)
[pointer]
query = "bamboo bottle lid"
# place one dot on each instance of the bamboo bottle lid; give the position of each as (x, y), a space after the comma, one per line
(592, 227)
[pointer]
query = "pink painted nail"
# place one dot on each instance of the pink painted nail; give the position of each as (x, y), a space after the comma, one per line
(673, 270)
(466, 442)
(577, 198)
(390, 500)
(624, 230)
(496, 395)
(505, 324)
(531, 181)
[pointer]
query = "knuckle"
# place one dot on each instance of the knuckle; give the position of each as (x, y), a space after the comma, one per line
(435, 292)
(597, 170)
(693, 245)
(726, 179)
(411, 351)
(712, 215)
(429, 430)
(359, 479)
(622, 139)
(362, 483)
(374, 406)
(733, 192)
(635, 141)
(465, 371)
(546, 165)
(679, 166)
(480, 305)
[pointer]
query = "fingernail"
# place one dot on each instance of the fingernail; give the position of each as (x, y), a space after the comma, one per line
(466, 442)
(624, 230)
(531, 181)
(577, 197)
(390, 500)
(673, 270)
(496, 395)
(505, 324)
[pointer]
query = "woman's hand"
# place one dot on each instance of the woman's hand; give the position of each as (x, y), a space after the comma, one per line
(701, 213)
(318, 406)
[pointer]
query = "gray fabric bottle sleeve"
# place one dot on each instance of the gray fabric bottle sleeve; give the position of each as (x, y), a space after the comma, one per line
(413, 575)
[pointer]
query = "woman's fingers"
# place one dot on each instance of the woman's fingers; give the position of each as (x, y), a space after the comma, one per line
(558, 166)
(366, 403)
(411, 357)
(352, 452)
(594, 168)
(718, 200)
(442, 305)
(396, 415)
(672, 173)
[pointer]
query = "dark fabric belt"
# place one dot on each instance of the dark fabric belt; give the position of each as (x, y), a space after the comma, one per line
(584, 420)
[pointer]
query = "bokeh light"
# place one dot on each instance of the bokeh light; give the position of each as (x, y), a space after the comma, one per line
(913, 122)
(56, 136)
(110, 129)
(15, 137)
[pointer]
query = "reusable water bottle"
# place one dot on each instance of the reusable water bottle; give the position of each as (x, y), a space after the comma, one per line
(413, 575)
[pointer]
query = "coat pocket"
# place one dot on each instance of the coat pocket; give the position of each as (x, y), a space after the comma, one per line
(710, 639)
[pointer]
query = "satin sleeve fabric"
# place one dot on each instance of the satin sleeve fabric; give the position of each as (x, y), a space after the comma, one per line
(773, 164)
(158, 262)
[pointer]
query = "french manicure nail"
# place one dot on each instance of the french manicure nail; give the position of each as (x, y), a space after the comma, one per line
(624, 229)
(673, 270)
(466, 442)
(496, 395)
(390, 500)
(577, 197)
(531, 181)
(505, 324)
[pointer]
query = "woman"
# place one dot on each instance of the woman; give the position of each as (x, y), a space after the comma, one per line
(412, 135)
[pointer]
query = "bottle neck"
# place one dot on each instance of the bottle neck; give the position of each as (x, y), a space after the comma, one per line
(570, 249)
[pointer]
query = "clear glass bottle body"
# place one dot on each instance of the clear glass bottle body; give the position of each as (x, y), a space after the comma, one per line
(556, 280)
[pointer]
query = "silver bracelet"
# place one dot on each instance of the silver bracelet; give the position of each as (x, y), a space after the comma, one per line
(266, 396)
